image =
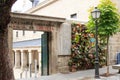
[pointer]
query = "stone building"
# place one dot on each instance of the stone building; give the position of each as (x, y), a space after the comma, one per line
(53, 18)
(27, 46)
(26, 52)
(76, 10)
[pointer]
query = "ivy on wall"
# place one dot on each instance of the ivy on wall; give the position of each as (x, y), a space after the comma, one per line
(83, 49)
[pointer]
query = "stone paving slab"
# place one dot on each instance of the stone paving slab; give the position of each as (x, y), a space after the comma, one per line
(80, 75)
(111, 78)
(116, 77)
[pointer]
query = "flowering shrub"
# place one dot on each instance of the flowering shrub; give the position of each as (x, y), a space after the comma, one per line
(83, 49)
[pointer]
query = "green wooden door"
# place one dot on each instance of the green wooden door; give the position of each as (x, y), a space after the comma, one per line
(45, 54)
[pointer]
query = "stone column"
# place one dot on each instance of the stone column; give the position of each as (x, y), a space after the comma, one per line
(31, 60)
(30, 57)
(13, 58)
(24, 59)
(39, 61)
(10, 42)
(17, 58)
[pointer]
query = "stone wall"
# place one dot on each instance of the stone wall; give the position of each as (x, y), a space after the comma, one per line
(64, 47)
(63, 63)
(114, 48)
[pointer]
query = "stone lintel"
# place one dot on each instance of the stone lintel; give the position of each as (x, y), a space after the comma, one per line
(36, 17)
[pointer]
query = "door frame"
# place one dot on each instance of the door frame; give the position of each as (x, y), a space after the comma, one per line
(21, 21)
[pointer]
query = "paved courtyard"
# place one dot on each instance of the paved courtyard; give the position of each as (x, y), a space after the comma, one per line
(79, 75)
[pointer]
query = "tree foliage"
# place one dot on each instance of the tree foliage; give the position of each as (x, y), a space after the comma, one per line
(109, 21)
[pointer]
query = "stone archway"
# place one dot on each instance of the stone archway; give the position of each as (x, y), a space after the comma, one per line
(53, 25)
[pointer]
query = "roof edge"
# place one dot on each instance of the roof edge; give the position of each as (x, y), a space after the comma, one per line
(41, 5)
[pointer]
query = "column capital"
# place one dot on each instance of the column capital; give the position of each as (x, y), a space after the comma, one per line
(24, 51)
(18, 51)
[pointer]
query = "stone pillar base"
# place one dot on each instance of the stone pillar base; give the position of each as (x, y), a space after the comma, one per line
(64, 69)
(63, 63)
(33, 67)
(17, 67)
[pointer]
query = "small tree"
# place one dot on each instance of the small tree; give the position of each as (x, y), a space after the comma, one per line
(6, 70)
(108, 23)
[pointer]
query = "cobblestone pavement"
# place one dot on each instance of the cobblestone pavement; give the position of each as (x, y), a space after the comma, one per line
(79, 75)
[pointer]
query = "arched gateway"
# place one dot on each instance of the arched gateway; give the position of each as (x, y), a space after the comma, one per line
(58, 33)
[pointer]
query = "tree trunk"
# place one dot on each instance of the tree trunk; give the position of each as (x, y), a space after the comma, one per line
(6, 70)
(107, 74)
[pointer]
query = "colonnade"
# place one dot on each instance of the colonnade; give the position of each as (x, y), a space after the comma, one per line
(22, 59)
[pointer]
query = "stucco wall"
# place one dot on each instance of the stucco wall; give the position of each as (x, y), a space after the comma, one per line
(64, 8)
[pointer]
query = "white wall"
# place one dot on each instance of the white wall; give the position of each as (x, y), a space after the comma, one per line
(28, 35)
(117, 3)
(64, 8)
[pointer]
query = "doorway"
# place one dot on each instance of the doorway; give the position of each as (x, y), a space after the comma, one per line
(36, 45)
